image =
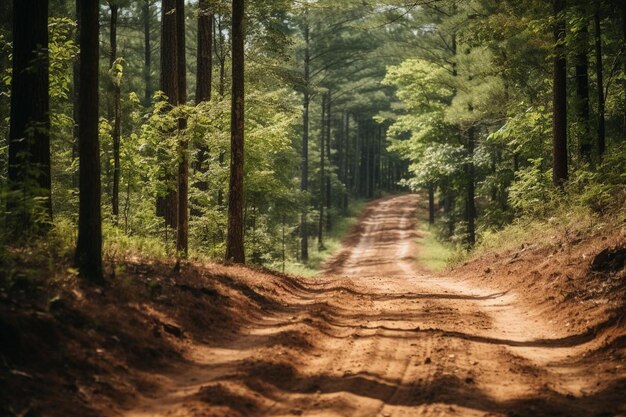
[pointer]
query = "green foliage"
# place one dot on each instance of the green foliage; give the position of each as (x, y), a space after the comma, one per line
(533, 190)
(432, 253)
(426, 78)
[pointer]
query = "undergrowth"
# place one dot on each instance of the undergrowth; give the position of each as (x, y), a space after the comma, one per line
(332, 242)
(433, 254)
(563, 216)
(39, 257)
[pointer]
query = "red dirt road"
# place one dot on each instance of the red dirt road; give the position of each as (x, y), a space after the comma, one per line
(379, 336)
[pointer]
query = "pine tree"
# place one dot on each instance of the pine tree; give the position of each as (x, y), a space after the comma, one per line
(89, 244)
(167, 206)
(204, 75)
(182, 240)
(234, 243)
(304, 178)
(559, 99)
(117, 116)
(29, 137)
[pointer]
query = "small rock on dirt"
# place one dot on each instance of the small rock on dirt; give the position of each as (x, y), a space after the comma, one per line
(173, 330)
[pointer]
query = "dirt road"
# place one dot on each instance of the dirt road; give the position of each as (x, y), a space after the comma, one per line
(379, 336)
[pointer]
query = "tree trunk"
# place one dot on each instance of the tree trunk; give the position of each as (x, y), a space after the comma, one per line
(29, 136)
(357, 160)
(234, 242)
(75, 98)
(89, 244)
(304, 178)
(204, 52)
(204, 74)
(624, 57)
(600, 79)
(147, 53)
(320, 229)
(328, 157)
(221, 47)
(559, 98)
(167, 205)
(582, 93)
(346, 148)
(431, 203)
(470, 201)
(182, 237)
(221, 55)
(117, 96)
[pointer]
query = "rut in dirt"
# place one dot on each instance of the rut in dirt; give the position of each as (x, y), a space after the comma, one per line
(379, 336)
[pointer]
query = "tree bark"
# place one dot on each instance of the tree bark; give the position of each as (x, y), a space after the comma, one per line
(304, 177)
(345, 164)
(117, 95)
(204, 52)
(221, 56)
(29, 132)
(147, 53)
(204, 75)
(89, 244)
(601, 141)
(322, 195)
(471, 186)
(167, 206)
(182, 237)
(582, 93)
(75, 98)
(328, 157)
(559, 98)
(357, 160)
(234, 242)
(624, 56)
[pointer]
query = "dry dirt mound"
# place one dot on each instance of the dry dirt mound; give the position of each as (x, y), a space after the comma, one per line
(533, 332)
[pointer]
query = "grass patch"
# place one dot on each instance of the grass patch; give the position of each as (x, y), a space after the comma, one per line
(565, 224)
(432, 254)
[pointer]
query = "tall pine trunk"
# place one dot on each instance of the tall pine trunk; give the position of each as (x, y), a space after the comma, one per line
(304, 177)
(147, 53)
(346, 168)
(357, 160)
(234, 241)
(29, 136)
(582, 91)
(167, 204)
(624, 56)
(89, 244)
(182, 229)
(599, 79)
(204, 75)
(322, 195)
(117, 95)
(470, 208)
(559, 98)
(328, 157)
(75, 98)
(220, 52)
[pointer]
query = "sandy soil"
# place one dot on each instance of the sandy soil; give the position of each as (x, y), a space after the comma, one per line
(377, 335)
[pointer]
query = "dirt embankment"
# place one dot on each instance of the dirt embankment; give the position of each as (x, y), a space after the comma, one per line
(532, 332)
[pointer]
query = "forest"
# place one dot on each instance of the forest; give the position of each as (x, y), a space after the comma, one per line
(465, 102)
(179, 173)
